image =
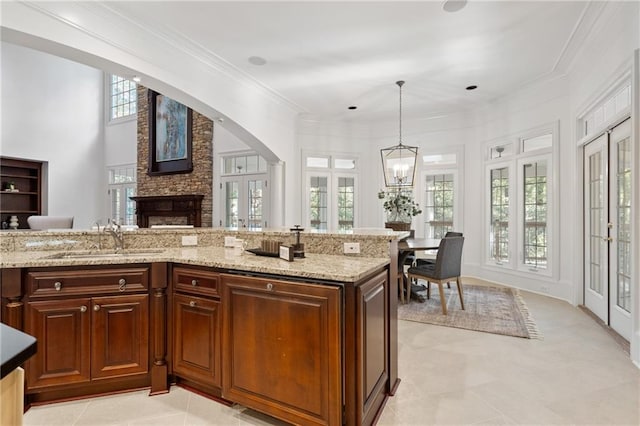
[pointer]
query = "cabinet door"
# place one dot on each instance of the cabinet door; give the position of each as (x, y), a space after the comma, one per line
(62, 328)
(120, 336)
(197, 328)
(372, 345)
(282, 348)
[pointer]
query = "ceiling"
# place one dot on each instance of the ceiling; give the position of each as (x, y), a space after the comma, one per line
(326, 56)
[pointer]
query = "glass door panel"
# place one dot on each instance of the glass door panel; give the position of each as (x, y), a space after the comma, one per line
(621, 215)
(595, 220)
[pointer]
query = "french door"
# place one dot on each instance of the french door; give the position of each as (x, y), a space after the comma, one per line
(245, 201)
(607, 228)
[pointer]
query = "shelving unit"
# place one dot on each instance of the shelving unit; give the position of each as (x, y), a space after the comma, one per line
(26, 197)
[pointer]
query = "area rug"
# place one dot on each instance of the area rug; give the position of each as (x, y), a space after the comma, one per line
(498, 310)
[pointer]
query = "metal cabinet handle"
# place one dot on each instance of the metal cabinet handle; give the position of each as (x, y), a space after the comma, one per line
(83, 308)
(269, 286)
(123, 284)
(608, 239)
(192, 303)
(194, 282)
(96, 308)
(57, 285)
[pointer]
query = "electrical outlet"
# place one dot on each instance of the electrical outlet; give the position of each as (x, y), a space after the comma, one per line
(351, 248)
(229, 241)
(544, 288)
(189, 240)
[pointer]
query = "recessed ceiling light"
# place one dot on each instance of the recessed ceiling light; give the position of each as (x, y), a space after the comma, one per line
(257, 60)
(472, 87)
(353, 107)
(453, 5)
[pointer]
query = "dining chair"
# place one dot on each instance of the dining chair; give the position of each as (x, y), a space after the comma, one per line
(421, 261)
(446, 268)
(50, 222)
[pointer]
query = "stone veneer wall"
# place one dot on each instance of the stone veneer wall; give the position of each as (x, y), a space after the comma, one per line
(199, 181)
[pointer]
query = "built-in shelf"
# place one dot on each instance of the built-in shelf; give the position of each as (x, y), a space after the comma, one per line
(26, 177)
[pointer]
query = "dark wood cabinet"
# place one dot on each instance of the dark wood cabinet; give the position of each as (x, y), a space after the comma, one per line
(372, 343)
(197, 326)
(282, 348)
(120, 336)
(63, 332)
(93, 330)
(21, 186)
(196, 354)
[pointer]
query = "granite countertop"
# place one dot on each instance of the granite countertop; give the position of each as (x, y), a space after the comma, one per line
(314, 266)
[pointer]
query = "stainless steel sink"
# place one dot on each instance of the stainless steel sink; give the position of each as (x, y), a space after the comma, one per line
(104, 254)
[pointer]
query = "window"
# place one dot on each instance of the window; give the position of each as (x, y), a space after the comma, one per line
(123, 96)
(239, 164)
(535, 214)
(499, 216)
(520, 203)
(244, 187)
(439, 185)
(122, 186)
(318, 202)
(438, 209)
(615, 104)
(330, 192)
(346, 187)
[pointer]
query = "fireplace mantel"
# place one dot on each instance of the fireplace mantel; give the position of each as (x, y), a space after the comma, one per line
(189, 206)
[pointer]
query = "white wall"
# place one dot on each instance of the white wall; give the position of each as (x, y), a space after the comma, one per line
(52, 111)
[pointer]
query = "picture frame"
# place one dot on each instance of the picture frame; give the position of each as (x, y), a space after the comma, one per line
(170, 136)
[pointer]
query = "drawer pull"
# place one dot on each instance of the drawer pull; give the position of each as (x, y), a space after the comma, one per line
(192, 304)
(194, 282)
(123, 284)
(83, 308)
(269, 286)
(57, 285)
(96, 308)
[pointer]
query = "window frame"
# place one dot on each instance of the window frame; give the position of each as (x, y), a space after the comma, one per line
(332, 174)
(521, 213)
(493, 165)
(108, 100)
(456, 195)
(432, 168)
(515, 161)
(121, 187)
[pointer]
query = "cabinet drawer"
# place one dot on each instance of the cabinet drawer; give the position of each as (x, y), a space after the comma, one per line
(196, 281)
(87, 281)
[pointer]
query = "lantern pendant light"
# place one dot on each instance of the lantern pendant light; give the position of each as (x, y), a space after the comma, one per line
(399, 161)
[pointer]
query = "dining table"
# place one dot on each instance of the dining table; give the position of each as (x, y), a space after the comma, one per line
(405, 248)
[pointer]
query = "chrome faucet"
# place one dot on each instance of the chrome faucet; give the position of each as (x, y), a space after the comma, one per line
(99, 244)
(114, 228)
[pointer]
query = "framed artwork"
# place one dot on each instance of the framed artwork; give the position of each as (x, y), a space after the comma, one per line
(169, 136)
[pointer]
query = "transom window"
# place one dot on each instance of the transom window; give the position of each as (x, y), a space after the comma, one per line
(123, 97)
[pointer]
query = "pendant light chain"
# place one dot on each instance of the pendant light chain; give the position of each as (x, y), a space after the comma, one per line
(400, 83)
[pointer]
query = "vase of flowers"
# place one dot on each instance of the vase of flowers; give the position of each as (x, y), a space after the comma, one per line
(400, 208)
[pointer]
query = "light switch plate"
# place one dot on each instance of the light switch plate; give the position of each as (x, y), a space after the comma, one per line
(351, 248)
(189, 240)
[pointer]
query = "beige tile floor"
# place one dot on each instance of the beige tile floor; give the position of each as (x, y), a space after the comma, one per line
(576, 375)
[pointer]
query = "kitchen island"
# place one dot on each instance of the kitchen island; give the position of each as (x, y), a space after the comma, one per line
(311, 341)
